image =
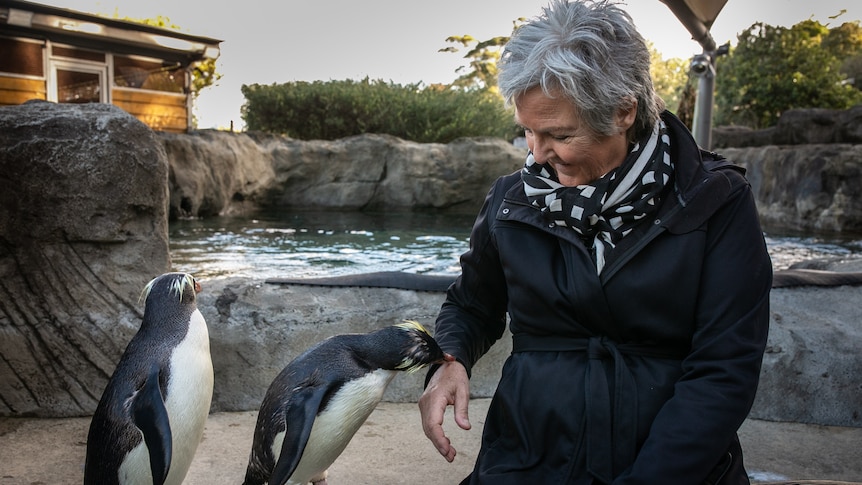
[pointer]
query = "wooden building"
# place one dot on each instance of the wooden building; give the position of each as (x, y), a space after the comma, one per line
(64, 56)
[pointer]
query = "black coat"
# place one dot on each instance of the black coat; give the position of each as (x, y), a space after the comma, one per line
(640, 375)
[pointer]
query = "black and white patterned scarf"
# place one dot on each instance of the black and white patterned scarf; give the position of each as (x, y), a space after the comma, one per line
(607, 209)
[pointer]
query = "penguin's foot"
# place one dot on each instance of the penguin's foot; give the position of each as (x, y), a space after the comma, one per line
(320, 479)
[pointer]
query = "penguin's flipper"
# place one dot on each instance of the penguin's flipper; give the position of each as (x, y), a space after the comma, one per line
(299, 416)
(151, 417)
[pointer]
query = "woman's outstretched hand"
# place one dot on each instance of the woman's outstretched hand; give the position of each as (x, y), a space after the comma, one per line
(449, 386)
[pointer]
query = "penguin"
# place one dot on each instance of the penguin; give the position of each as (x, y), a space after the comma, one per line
(151, 416)
(317, 403)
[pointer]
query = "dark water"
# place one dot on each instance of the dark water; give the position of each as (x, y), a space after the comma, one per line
(300, 244)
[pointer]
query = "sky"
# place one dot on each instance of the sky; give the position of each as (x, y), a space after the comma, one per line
(266, 42)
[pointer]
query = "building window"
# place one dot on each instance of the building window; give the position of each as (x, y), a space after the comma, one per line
(136, 72)
(74, 53)
(72, 81)
(21, 57)
(78, 87)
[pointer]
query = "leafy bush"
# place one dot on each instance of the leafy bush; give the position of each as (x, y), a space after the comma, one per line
(773, 69)
(337, 109)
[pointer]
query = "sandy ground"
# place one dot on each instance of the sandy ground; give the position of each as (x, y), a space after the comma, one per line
(391, 449)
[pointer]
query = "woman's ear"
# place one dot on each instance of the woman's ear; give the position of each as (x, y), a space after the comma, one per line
(626, 116)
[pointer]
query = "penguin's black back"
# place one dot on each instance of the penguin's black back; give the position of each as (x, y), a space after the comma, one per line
(332, 363)
(343, 358)
(165, 324)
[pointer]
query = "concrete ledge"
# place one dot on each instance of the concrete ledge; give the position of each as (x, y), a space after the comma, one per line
(810, 370)
(257, 328)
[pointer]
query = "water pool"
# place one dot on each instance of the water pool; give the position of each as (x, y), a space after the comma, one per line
(302, 244)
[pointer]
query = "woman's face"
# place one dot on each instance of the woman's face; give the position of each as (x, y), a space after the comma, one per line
(557, 136)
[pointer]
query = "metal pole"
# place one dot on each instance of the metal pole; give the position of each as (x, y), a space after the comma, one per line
(703, 66)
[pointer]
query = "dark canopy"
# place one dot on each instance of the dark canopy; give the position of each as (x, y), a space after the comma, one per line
(697, 16)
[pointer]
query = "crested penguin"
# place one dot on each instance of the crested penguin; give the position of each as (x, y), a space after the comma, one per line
(317, 403)
(151, 416)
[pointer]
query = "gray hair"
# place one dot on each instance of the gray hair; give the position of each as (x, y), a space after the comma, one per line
(590, 52)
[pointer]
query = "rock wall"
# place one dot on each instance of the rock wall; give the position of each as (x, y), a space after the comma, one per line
(810, 126)
(212, 173)
(805, 187)
(809, 371)
(811, 365)
(83, 227)
(806, 171)
(215, 172)
(257, 328)
(801, 187)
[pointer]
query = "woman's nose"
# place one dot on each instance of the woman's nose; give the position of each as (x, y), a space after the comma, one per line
(539, 149)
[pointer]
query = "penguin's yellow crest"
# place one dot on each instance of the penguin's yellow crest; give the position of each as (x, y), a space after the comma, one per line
(412, 324)
(410, 363)
(180, 282)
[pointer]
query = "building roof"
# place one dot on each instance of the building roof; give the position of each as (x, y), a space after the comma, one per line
(61, 25)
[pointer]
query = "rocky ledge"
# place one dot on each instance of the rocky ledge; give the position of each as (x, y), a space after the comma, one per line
(809, 370)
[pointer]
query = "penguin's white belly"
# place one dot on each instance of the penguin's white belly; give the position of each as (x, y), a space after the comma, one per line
(135, 469)
(189, 395)
(188, 400)
(334, 427)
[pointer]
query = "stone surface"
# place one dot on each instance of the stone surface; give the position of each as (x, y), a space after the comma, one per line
(213, 173)
(83, 227)
(800, 187)
(807, 187)
(812, 364)
(804, 126)
(220, 173)
(809, 371)
(257, 328)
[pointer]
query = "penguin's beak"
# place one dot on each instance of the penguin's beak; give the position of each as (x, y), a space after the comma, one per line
(197, 287)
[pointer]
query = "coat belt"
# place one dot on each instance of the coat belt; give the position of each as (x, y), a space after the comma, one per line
(611, 434)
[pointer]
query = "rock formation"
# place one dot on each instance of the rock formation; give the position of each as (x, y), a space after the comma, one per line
(807, 126)
(212, 174)
(215, 173)
(805, 187)
(811, 365)
(808, 371)
(256, 328)
(799, 187)
(83, 227)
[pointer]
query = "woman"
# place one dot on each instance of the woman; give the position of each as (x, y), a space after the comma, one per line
(631, 265)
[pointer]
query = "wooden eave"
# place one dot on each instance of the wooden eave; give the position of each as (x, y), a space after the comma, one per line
(61, 25)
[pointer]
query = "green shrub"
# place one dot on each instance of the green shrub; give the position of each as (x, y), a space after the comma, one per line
(775, 69)
(336, 109)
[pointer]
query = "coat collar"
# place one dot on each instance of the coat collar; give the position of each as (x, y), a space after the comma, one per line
(701, 185)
